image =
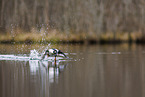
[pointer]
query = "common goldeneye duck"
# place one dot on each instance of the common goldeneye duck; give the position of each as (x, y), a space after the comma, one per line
(52, 52)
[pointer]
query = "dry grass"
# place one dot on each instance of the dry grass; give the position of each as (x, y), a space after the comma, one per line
(5, 37)
(55, 36)
(28, 36)
(123, 36)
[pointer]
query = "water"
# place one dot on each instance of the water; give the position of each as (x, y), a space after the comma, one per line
(90, 71)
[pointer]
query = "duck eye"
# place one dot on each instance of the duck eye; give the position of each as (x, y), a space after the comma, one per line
(54, 52)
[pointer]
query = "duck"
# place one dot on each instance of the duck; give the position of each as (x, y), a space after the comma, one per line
(53, 52)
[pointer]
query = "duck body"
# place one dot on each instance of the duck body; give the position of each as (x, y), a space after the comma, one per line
(52, 53)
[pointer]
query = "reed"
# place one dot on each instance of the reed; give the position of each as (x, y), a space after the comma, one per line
(55, 36)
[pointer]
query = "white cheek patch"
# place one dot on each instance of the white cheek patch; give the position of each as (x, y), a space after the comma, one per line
(50, 50)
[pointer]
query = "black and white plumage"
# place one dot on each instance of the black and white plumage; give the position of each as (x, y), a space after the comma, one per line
(52, 53)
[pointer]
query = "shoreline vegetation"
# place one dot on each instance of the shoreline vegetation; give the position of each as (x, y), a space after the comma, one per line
(72, 21)
(55, 37)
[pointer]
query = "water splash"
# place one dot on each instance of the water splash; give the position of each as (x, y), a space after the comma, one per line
(43, 48)
(14, 57)
(48, 46)
(34, 55)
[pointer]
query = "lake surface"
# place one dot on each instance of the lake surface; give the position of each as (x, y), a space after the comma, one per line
(91, 71)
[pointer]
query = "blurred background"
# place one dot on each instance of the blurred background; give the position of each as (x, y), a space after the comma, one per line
(92, 70)
(72, 20)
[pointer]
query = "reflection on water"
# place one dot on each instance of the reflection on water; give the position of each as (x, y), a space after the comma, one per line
(31, 78)
(51, 69)
(94, 71)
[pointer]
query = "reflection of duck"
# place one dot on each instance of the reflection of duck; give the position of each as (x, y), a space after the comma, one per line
(47, 68)
(53, 69)
(34, 66)
(52, 52)
(58, 64)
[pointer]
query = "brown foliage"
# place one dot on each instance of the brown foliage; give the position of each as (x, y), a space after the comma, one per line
(74, 16)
